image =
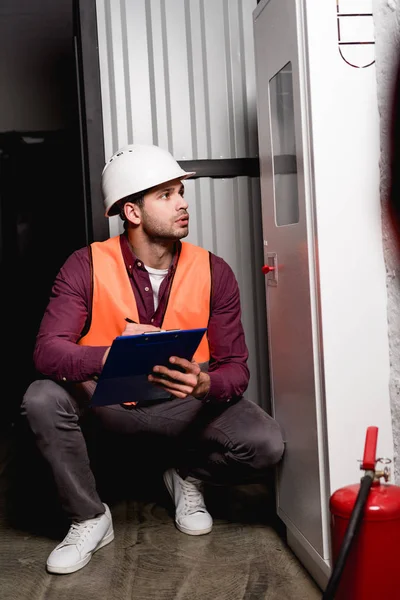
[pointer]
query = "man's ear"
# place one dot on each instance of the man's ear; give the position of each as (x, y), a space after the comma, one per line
(133, 213)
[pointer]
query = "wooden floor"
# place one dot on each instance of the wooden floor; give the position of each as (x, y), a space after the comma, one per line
(244, 558)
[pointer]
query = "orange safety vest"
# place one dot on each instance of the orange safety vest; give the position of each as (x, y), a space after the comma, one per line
(113, 299)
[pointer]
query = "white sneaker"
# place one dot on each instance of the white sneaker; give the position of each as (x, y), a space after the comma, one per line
(82, 539)
(191, 515)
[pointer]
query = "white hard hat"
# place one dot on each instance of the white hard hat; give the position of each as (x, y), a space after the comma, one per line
(136, 168)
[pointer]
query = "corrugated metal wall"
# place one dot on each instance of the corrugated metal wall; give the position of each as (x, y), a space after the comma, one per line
(181, 74)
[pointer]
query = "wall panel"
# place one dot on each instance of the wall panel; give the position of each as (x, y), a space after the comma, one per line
(180, 74)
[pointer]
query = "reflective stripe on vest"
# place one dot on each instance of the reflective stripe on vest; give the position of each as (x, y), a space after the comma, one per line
(113, 298)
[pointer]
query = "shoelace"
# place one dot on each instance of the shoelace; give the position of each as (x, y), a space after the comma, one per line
(78, 532)
(193, 497)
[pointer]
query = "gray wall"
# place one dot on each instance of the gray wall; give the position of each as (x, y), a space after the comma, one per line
(387, 38)
(37, 80)
(181, 74)
(38, 93)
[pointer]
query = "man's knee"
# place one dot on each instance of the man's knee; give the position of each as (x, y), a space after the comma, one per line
(41, 401)
(270, 445)
(265, 446)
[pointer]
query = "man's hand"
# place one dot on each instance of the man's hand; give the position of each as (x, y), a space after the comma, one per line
(138, 328)
(191, 382)
(132, 329)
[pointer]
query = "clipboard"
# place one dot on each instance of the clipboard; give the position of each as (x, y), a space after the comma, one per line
(131, 360)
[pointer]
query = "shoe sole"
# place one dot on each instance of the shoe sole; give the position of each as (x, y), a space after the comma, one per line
(168, 485)
(107, 539)
(193, 531)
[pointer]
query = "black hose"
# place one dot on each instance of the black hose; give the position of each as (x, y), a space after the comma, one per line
(352, 528)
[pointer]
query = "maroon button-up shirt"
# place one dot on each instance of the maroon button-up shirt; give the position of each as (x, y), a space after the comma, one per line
(58, 356)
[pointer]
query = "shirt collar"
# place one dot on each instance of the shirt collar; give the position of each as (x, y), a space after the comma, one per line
(133, 262)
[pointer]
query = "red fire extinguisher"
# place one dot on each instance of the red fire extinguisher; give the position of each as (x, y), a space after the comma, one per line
(365, 528)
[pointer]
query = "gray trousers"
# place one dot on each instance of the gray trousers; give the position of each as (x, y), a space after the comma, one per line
(225, 443)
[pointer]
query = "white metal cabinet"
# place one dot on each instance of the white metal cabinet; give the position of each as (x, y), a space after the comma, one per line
(321, 220)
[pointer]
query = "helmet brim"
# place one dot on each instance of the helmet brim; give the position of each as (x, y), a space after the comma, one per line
(114, 209)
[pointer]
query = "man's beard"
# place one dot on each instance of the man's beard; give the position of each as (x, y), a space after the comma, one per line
(160, 231)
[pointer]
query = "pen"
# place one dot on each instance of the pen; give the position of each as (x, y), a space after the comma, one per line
(128, 320)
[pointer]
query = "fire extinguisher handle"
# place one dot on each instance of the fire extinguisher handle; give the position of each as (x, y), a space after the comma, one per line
(369, 458)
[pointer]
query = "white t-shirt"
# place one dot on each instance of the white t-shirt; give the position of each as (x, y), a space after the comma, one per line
(156, 277)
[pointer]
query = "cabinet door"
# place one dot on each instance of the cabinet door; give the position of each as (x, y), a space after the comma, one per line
(288, 230)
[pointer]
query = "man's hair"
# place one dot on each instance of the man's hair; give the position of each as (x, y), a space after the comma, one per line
(137, 199)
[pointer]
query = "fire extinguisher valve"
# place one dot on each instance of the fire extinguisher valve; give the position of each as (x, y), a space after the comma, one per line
(385, 472)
